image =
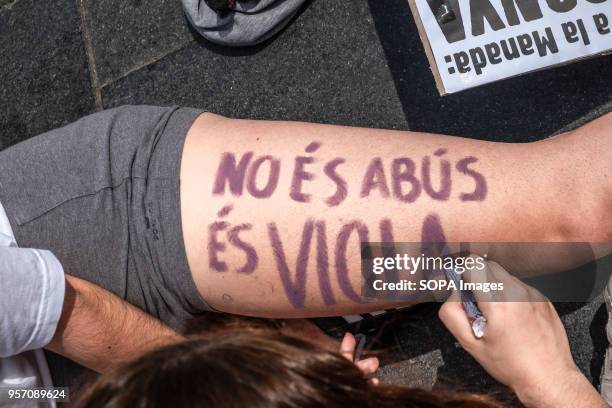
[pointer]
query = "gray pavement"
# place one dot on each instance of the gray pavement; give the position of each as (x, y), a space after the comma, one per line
(352, 62)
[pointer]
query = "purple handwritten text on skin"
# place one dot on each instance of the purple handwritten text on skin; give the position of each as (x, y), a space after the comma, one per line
(341, 257)
(443, 193)
(434, 179)
(433, 239)
(386, 237)
(323, 264)
(300, 174)
(432, 231)
(224, 212)
(231, 173)
(375, 179)
(233, 236)
(214, 246)
(273, 177)
(386, 231)
(403, 172)
(295, 291)
(480, 192)
(341, 189)
(313, 147)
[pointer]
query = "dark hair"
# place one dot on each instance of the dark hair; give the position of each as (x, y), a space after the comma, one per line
(255, 369)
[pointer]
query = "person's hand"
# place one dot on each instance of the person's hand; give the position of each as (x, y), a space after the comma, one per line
(367, 366)
(524, 346)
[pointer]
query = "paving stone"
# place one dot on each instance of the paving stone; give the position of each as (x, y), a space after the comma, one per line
(44, 79)
(327, 66)
(127, 34)
(419, 372)
(586, 330)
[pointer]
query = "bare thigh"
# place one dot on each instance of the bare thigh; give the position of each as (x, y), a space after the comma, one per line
(273, 213)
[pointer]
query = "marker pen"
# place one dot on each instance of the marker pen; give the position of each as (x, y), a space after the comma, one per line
(477, 320)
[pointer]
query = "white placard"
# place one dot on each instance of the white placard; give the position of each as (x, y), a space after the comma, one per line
(489, 40)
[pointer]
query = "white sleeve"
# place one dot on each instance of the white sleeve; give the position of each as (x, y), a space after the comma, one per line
(32, 286)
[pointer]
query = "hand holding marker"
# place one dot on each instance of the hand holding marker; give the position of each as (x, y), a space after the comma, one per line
(525, 343)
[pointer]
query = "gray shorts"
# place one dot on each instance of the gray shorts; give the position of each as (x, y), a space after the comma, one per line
(103, 195)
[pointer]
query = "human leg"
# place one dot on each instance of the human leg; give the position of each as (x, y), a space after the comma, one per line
(273, 212)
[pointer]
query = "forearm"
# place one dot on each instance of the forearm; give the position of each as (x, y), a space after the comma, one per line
(275, 211)
(99, 330)
(569, 390)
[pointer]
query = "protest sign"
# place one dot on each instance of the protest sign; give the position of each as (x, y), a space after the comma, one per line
(474, 42)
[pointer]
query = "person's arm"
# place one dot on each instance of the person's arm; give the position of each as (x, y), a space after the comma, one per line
(32, 293)
(273, 212)
(524, 346)
(99, 330)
